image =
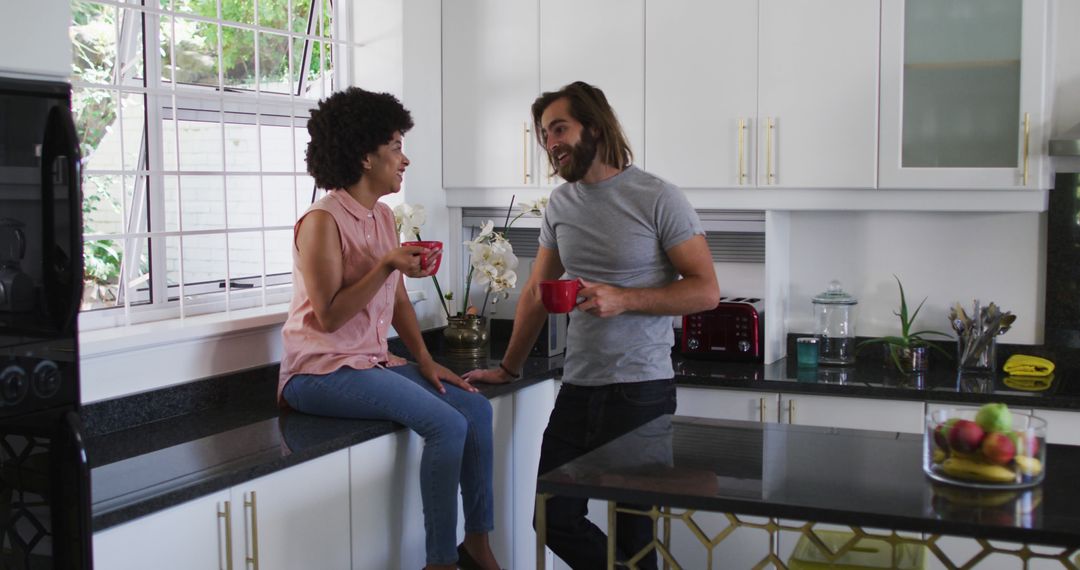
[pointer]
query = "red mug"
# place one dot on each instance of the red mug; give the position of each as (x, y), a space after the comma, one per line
(426, 257)
(560, 295)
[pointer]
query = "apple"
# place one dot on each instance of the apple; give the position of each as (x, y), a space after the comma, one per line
(965, 436)
(998, 447)
(994, 417)
(941, 433)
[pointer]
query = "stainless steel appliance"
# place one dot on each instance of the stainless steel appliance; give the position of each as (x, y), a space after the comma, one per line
(734, 330)
(44, 478)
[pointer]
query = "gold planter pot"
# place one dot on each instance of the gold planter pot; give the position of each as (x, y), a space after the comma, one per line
(466, 335)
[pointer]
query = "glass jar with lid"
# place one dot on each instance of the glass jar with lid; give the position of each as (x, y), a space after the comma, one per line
(834, 325)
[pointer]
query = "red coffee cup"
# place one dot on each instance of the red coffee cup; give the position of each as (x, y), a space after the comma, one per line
(560, 295)
(425, 258)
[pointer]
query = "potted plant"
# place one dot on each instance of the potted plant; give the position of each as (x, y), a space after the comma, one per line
(909, 351)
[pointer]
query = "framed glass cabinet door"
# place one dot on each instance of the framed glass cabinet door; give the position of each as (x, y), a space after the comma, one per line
(963, 94)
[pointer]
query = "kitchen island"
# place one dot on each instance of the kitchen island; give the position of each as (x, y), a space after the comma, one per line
(679, 465)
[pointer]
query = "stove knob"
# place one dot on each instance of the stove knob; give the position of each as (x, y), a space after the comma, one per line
(744, 346)
(46, 379)
(13, 385)
(693, 344)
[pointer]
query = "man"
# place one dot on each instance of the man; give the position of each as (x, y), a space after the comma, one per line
(628, 236)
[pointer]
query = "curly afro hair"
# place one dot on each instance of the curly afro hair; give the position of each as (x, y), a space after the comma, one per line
(346, 127)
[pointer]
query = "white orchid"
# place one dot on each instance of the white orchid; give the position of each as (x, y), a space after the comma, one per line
(492, 262)
(408, 219)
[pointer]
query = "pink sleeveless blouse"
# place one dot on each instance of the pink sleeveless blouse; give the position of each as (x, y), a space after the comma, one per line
(366, 235)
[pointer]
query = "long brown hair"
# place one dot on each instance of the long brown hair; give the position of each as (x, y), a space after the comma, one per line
(590, 107)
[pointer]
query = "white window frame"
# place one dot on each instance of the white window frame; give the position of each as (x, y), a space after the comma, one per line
(202, 103)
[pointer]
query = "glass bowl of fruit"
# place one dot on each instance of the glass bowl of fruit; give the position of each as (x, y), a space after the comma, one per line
(990, 447)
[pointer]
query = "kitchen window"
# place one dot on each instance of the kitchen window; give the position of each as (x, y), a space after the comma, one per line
(192, 117)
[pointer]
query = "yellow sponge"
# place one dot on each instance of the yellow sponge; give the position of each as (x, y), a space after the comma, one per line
(1027, 365)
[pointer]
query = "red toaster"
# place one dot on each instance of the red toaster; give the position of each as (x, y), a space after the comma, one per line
(734, 330)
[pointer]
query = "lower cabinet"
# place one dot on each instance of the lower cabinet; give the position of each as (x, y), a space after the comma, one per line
(187, 536)
(294, 518)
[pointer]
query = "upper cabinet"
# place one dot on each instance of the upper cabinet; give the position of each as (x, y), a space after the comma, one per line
(490, 78)
(599, 42)
(767, 93)
(963, 94)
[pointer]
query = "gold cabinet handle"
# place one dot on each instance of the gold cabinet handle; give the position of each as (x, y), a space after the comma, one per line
(742, 153)
(525, 153)
(770, 176)
(226, 513)
(253, 558)
(761, 410)
(791, 411)
(1027, 140)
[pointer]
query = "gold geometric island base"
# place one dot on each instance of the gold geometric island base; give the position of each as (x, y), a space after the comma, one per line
(1068, 558)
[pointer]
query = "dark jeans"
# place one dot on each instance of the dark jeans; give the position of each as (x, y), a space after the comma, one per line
(585, 418)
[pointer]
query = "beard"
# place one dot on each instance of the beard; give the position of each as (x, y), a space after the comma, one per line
(582, 155)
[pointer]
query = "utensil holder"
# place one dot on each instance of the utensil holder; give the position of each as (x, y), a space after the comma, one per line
(976, 353)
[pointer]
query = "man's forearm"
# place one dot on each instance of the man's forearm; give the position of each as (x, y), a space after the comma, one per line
(687, 295)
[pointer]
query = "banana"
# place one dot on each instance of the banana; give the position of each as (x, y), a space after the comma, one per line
(968, 470)
(939, 455)
(1028, 465)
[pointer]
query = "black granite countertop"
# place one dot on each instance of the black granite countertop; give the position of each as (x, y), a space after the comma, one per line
(841, 476)
(152, 451)
(150, 467)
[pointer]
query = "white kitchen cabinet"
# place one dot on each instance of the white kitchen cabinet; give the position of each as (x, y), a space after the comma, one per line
(852, 413)
(490, 80)
(1062, 426)
(294, 518)
(600, 42)
(190, 535)
(785, 95)
(701, 91)
(727, 404)
(34, 41)
(817, 93)
(963, 94)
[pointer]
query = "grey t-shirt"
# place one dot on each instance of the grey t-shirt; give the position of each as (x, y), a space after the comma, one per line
(617, 232)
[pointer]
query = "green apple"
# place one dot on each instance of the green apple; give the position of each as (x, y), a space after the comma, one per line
(994, 418)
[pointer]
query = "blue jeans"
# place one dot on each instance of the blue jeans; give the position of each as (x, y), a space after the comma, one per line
(456, 428)
(585, 418)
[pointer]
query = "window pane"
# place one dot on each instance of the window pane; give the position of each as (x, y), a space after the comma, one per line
(133, 119)
(171, 202)
(306, 194)
(101, 204)
(318, 72)
(245, 204)
(242, 11)
(245, 256)
(95, 117)
(302, 140)
(93, 41)
(200, 145)
(138, 275)
(279, 251)
(241, 148)
(101, 281)
(274, 14)
(238, 57)
(274, 64)
(204, 259)
(192, 46)
(280, 204)
(202, 203)
(130, 46)
(277, 149)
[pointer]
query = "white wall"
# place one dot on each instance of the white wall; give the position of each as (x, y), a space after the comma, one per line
(945, 257)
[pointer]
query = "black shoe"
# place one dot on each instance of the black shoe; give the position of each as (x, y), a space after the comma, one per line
(465, 561)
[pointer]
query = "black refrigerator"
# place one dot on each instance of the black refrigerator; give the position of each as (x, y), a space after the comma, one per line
(1063, 262)
(44, 477)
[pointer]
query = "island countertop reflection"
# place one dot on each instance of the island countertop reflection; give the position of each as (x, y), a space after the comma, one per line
(829, 475)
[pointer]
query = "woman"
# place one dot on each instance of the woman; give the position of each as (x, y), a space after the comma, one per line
(348, 290)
